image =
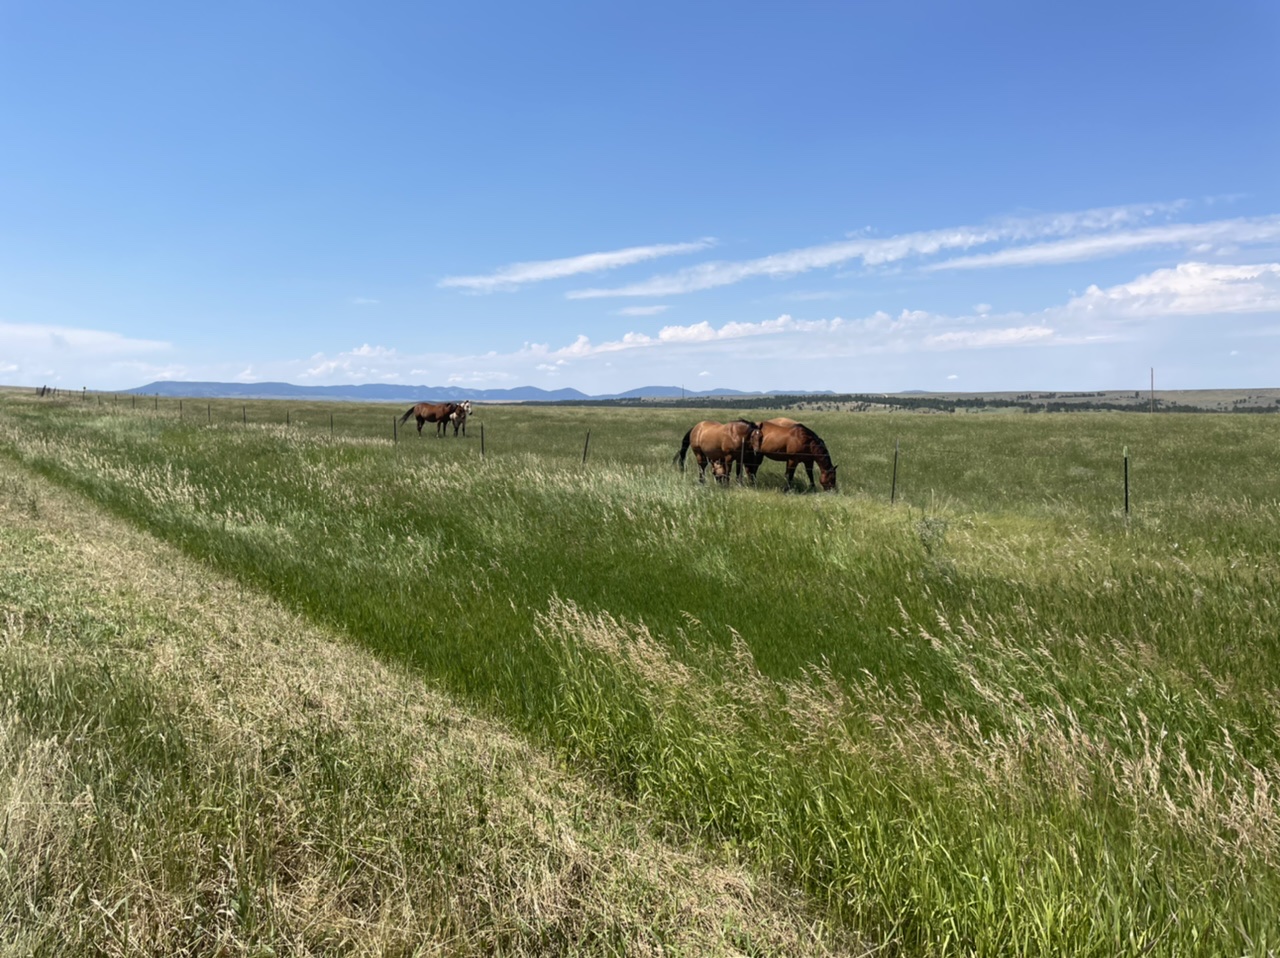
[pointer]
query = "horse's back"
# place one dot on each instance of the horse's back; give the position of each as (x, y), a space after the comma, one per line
(434, 411)
(782, 437)
(705, 434)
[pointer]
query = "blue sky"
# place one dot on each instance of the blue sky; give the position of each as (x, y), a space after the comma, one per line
(856, 196)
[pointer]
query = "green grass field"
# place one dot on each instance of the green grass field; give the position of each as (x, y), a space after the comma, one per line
(997, 717)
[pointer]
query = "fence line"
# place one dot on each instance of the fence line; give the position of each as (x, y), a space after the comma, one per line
(1123, 493)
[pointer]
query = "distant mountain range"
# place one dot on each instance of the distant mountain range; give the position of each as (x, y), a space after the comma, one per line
(388, 392)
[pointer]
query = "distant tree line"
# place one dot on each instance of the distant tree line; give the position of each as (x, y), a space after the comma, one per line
(1027, 402)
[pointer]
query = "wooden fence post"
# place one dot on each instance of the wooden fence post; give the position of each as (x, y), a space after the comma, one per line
(1126, 480)
(893, 489)
(482, 441)
(584, 447)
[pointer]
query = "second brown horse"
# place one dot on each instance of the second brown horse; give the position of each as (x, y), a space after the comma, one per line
(793, 443)
(721, 444)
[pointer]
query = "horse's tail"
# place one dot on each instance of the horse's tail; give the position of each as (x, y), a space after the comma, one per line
(684, 448)
(408, 414)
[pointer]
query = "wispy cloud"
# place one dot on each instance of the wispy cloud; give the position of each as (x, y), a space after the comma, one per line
(363, 301)
(1202, 237)
(519, 274)
(874, 251)
(986, 338)
(641, 310)
(61, 340)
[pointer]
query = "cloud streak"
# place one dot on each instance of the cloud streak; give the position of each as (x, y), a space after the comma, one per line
(49, 340)
(874, 251)
(1208, 235)
(641, 310)
(519, 274)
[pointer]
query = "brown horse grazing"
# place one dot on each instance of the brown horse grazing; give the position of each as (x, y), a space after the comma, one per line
(436, 412)
(793, 443)
(721, 444)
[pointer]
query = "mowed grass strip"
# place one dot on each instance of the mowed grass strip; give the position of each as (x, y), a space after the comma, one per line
(187, 768)
(1000, 718)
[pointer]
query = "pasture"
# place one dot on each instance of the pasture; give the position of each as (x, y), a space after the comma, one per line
(996, 717)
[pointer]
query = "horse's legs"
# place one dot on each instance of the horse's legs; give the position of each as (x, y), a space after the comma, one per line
(808, 469)
(791, 472)
(420, 422)
(702, 466)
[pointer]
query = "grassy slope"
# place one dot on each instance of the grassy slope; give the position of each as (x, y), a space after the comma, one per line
(1032, 731)
(187, 768)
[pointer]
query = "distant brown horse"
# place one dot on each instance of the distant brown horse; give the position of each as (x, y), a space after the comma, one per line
(436, 412)
(793, 443)
(721, 444)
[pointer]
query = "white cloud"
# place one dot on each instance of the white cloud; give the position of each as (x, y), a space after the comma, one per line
(1195, 236)
(953, 376)
(641, 310)
(480, 377)
(986, 338)
(364, 362)
(39, 353)
(363, 301)
(366, 351)
(696, 333)
(871, 251)
(1189, 289)
(518, 274)
(47, 340)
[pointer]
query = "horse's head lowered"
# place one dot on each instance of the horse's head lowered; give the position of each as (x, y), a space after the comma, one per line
(827, 477)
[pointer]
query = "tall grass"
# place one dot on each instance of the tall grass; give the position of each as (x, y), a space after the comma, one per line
(187, 769)
(999, 718)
